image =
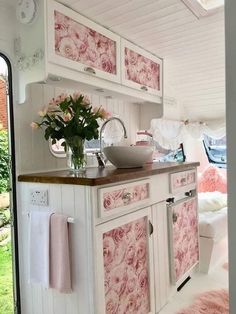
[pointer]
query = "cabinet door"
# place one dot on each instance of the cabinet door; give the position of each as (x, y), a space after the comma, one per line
(80, 44)
(124, 272)
(183, 232)
(140, 69)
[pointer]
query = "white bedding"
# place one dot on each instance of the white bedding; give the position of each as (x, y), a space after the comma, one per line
(211, 201)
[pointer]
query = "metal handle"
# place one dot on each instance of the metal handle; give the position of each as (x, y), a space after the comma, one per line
(170, 200)
(150, 228)
(89, 70)
(126, 197)
(174, 217)
(189, 193)
(144, 88)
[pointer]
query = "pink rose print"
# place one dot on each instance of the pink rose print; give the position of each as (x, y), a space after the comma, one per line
(143, 280)
(83, 44)
(126, 269)
(116, 198)
(139, 230)
(118, 235)
(185, 237)
(68, 48)
(107, 65)
(141, 70)
(130, 254)
(108, 250)
(112, 303)
(141, 250)
(108, 201)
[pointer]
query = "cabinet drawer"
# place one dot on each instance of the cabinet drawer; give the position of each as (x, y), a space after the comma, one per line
(122, 197)
(183, 181)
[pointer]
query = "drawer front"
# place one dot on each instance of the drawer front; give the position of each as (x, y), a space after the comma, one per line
(115, 199)
(183, 181)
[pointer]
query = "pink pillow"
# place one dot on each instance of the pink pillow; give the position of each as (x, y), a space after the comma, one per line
(212, 180)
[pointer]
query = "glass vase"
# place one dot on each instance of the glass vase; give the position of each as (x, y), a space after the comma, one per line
(75, 152)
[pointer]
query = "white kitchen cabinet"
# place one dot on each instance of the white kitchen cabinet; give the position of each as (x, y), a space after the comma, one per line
(80, 44)
(122, 250)
(73, 52)
(124, 268)
(140, 69)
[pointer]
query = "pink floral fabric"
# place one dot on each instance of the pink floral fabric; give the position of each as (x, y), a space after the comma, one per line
(182, 178)
(141, 70)
(82, 44)
(118, 198)
(185, 236)
(125, 258)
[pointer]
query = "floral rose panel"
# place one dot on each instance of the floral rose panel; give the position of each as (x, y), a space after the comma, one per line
(125, 257)
(185, 237)
(141, 70)
(82, 44)
(117, 198)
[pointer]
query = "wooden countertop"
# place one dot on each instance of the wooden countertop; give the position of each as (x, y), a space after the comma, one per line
(99, 176)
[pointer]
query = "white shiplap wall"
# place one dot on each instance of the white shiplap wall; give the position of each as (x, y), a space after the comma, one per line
(72, 201)
(32, 149)
(193, 49)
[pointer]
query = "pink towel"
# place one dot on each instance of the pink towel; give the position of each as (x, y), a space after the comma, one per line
(60, 266)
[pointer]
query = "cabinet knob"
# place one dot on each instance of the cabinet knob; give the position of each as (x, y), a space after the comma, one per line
(89, 70)
(144, 88)
(126, 197)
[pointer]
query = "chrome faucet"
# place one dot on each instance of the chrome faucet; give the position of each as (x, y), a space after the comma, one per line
(100, 156)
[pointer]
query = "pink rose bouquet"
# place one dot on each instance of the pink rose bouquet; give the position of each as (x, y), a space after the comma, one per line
(72, 118)
(69, 116)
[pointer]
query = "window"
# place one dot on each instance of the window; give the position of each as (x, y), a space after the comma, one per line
(201, 8)
(168, 155)
(58, 150)
(215, 150)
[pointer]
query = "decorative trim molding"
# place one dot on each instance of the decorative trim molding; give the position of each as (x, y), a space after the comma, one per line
(25, 62)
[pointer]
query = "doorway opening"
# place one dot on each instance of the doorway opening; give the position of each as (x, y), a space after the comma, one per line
(9, 274)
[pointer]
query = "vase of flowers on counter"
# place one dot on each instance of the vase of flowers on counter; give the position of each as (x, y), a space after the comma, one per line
(72, 118)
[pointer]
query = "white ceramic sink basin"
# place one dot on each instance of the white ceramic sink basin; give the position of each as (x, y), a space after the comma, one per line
(128, 156)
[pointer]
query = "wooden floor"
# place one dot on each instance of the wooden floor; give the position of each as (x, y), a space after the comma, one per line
(216, 279)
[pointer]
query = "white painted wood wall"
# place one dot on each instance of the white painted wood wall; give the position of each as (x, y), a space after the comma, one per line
(63, 199)
(32, 149)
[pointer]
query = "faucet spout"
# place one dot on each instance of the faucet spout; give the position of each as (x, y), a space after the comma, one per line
(102, 161)
(105, 123)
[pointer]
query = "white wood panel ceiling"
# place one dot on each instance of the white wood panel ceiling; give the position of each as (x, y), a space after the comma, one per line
(193, 49)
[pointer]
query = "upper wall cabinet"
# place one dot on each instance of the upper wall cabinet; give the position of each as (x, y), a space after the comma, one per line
(78, 43)
(140, 69)
(77, 53)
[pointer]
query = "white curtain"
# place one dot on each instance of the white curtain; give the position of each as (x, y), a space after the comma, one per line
(170, 134)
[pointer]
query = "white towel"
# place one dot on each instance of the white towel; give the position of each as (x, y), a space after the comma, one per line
(39, 247)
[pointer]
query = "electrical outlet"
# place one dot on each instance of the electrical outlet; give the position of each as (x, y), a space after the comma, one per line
(39, 197)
